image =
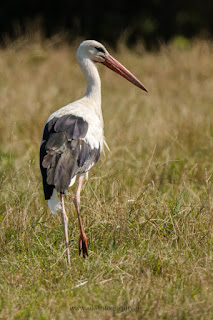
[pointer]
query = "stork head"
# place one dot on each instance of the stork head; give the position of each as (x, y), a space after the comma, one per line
(96, 52)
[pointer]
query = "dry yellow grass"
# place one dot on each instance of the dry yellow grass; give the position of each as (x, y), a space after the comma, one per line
(147, 208)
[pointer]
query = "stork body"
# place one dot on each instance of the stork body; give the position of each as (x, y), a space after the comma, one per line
(73, 136)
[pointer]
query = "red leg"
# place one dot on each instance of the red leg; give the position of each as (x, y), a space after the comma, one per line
(83, 239)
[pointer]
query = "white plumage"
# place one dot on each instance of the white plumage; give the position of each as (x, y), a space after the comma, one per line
(87, 109)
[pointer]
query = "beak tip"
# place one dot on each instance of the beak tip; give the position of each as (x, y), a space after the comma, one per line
(143, 88)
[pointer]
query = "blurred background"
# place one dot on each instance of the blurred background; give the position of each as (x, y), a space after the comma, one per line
(151, 22)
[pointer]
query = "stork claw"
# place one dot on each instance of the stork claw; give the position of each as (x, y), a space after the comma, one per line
(83, 245)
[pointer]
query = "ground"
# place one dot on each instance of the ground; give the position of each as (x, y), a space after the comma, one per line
(147, 207)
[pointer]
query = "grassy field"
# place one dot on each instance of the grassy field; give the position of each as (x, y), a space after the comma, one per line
(147, 207)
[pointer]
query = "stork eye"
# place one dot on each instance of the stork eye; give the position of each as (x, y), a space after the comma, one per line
(100, 49)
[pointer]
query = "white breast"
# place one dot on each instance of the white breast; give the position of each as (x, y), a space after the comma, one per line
(84, 108)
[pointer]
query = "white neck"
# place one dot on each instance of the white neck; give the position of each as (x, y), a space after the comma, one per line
(90, 71)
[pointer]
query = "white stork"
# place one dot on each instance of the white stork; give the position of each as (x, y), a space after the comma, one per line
(73, 136)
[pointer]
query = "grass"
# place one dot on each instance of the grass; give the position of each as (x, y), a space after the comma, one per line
(147, 208)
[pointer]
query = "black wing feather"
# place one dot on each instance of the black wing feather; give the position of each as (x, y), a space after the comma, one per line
(63, 153)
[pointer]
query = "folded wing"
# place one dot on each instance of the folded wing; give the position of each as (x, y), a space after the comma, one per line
(64, 152)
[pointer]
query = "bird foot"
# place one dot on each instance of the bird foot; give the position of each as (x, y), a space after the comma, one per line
(83, 245)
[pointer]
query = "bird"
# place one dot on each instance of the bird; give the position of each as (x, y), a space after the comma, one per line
(73, 137)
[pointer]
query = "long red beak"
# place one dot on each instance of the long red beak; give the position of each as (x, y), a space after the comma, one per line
(116, 66)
